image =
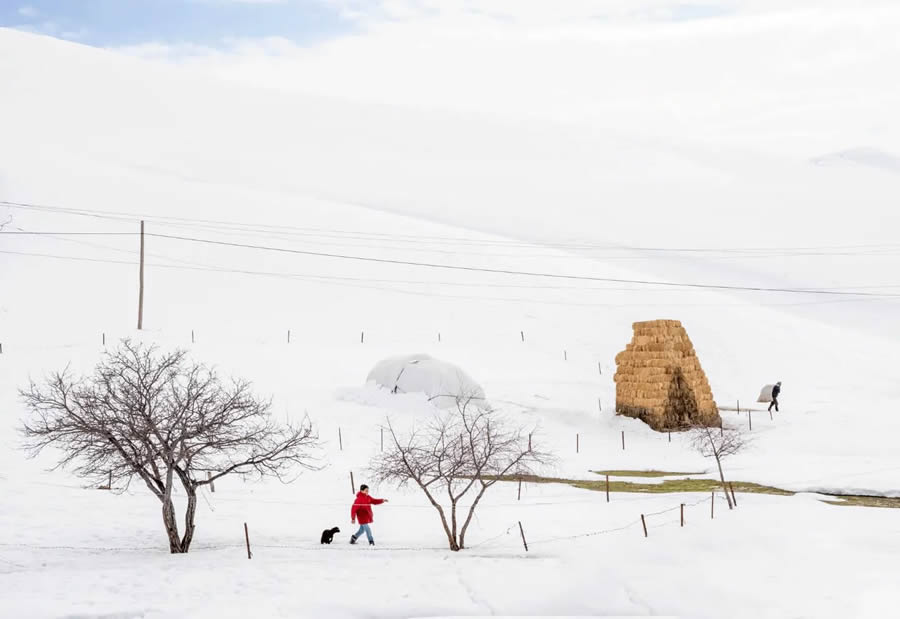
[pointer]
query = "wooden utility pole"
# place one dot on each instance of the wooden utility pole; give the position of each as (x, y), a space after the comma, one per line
(141, 290)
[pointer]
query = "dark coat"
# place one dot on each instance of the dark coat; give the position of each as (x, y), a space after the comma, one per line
(775, 391)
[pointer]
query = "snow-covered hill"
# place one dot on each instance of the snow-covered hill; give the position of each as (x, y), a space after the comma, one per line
(368, 205)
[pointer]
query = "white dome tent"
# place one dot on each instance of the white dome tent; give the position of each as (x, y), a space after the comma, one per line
(441, 382)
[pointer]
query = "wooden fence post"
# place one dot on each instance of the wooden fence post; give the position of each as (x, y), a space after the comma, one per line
(607, 488)
(104, 339)
(670, 437)
(520, 490)
(212, 484)
(712, 506)
(529, 442)
(439, 337)
(565, 355)
(623, 440)
(750, 418)
(644, 522)
(522, 531)
(599, 405)
(110, 481)
(247, 538)
(192, 336)
(682, 514)
(382, 439)
(352, 484)
(577, 441)
(362, 337)
(340, 439)
(522, 333)
(289, 336)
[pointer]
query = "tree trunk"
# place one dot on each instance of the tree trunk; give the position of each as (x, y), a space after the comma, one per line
(168, 513)
(462, 534)
(724, 486)
(450, 538)
(171, 526)
(189, 518)
(453, 521)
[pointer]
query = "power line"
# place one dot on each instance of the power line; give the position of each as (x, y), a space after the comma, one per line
(495, 271)
(859, 296)
(367, 235)
(342, 281)
(52, 233)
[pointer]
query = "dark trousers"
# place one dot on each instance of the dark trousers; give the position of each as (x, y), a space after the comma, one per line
(775, 404)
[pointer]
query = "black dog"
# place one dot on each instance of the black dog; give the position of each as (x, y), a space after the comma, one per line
(328, 535)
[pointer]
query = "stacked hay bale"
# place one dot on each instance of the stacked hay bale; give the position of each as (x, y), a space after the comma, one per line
(659, 379)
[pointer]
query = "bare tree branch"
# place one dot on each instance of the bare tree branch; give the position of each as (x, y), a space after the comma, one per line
(463, 451)
(158, 417)
(718, 443)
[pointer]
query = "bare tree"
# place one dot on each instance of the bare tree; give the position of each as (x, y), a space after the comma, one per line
(469, 448)
(161, 418)
(718, 443)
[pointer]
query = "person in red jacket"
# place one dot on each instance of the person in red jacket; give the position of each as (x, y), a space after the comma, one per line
(362, 510)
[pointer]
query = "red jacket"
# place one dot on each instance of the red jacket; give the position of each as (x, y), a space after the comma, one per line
(362, 509)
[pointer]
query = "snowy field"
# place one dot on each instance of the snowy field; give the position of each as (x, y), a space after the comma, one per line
(789, 194)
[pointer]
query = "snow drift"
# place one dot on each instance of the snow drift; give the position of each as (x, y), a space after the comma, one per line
(443, 383)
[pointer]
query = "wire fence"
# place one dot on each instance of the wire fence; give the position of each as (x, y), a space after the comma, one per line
(303, 545)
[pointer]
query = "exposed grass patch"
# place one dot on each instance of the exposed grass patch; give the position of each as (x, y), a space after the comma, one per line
(665, 487)
(642, 473)
(865, 501)
(693, 485)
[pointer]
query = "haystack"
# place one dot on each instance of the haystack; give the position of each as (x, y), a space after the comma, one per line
(659, 379)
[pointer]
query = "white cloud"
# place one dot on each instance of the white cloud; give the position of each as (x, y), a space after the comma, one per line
(49, 28)
(74, 35)
(28, 11)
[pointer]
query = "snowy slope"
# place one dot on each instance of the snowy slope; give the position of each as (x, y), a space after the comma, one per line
(87, 129)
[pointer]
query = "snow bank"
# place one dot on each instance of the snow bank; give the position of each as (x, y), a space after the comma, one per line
(442, 383)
